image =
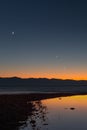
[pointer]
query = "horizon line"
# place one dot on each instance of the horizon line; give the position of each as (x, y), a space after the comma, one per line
(43, 78)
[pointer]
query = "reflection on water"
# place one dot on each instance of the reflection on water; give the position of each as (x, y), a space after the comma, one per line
(68, 113)
(38, 117)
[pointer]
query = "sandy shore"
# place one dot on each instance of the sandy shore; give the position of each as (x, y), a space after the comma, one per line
(23, 97)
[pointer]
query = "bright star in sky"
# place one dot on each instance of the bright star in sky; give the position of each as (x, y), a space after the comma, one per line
(12, 33)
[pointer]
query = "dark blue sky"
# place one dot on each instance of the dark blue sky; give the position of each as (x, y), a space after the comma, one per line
(49, 40)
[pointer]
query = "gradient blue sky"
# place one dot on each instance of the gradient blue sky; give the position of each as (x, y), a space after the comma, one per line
(49, 40)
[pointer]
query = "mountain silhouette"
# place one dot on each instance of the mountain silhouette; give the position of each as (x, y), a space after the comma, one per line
(42, 84)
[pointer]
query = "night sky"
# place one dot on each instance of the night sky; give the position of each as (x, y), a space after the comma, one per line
(43, 38)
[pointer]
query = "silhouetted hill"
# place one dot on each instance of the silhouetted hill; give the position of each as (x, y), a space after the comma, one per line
(40, 81)
(42, 84)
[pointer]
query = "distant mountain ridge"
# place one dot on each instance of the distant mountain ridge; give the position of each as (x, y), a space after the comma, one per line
(39, 81)
(42, 85)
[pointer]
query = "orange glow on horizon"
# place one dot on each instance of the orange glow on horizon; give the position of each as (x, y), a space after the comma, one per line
(72, 72)
(47, 75)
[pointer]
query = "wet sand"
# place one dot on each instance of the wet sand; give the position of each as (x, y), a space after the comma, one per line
(23, 97)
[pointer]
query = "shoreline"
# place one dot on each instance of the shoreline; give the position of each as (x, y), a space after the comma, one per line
(23, 97)
(15, 109)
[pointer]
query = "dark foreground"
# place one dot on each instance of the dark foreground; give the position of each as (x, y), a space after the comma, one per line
(15, 108)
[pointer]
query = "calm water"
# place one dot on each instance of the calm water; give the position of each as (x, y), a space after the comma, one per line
(65, 113)
(68, 113)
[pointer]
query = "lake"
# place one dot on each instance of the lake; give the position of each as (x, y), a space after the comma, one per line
(60, 113)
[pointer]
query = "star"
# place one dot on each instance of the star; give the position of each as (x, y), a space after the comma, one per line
(57, 57)
(13, 33)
